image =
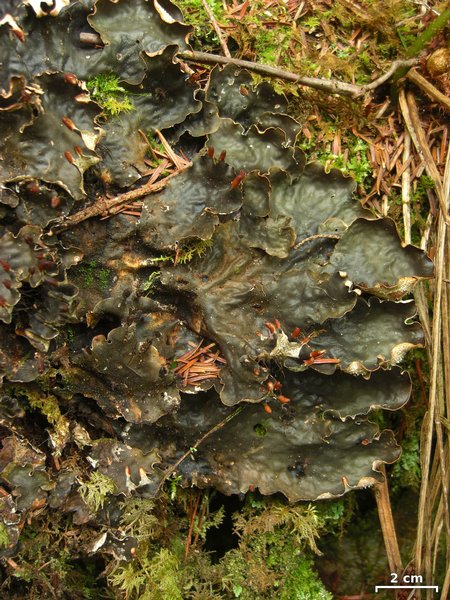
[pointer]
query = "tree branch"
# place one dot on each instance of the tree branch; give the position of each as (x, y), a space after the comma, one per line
(332, 86)
(109, 206)
(326, 85)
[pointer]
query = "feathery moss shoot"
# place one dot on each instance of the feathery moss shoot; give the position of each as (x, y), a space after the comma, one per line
(108, 94)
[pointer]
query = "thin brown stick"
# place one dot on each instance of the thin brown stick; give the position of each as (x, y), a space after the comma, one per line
(428, 88)
(387, 525)
(219, 32)
(109, 206)
(397, 65)
(406, 189)
(12, 564)
(200, 519)
(192, 516)
(332, 86)
(174, 467)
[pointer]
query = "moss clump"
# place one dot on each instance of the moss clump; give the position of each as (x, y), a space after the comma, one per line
(149, 579)
(354, 163)
(185, 254)
(49, 407)
(90, 272)
(51, 564)
(204, 38)
(406, 473)
(4, 537)
(95, 491)
(109, 95)
(273, 557)
(274, 553)
(149, 285)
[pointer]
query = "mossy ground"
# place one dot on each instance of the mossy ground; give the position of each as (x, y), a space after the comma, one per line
(271, 556)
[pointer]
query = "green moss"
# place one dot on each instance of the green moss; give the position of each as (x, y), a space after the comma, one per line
(273, 558)
(4, 537)
(406, 472)
(186, 253)
(310, 23)
(354, 164)
(49, 558)
(48, 405)
(150, 284)
(149, 579)
(91, 273)
(109, 95)
(204, 37)
(260, 429)
(138, 518)
(70, 333)
(334, 515)
(95, 491)
(303, 583)
(271, 43)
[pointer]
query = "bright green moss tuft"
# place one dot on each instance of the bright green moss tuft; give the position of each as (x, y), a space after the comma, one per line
(111, 96)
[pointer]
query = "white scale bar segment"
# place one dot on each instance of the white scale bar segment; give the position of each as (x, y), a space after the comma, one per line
(406, 587)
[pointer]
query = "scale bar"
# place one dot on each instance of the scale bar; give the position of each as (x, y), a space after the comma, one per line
(406, 587)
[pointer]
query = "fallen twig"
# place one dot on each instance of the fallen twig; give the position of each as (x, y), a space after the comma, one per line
(192, 515)
(174, 467)
(397, 65)
(318, 236)
(109, 206)
(332, 86)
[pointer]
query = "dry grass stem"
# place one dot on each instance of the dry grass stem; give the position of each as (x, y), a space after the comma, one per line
(411, 115)
(435, 482)
(428, 88)
(406, 189)
(219, 32)
(387, 525)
